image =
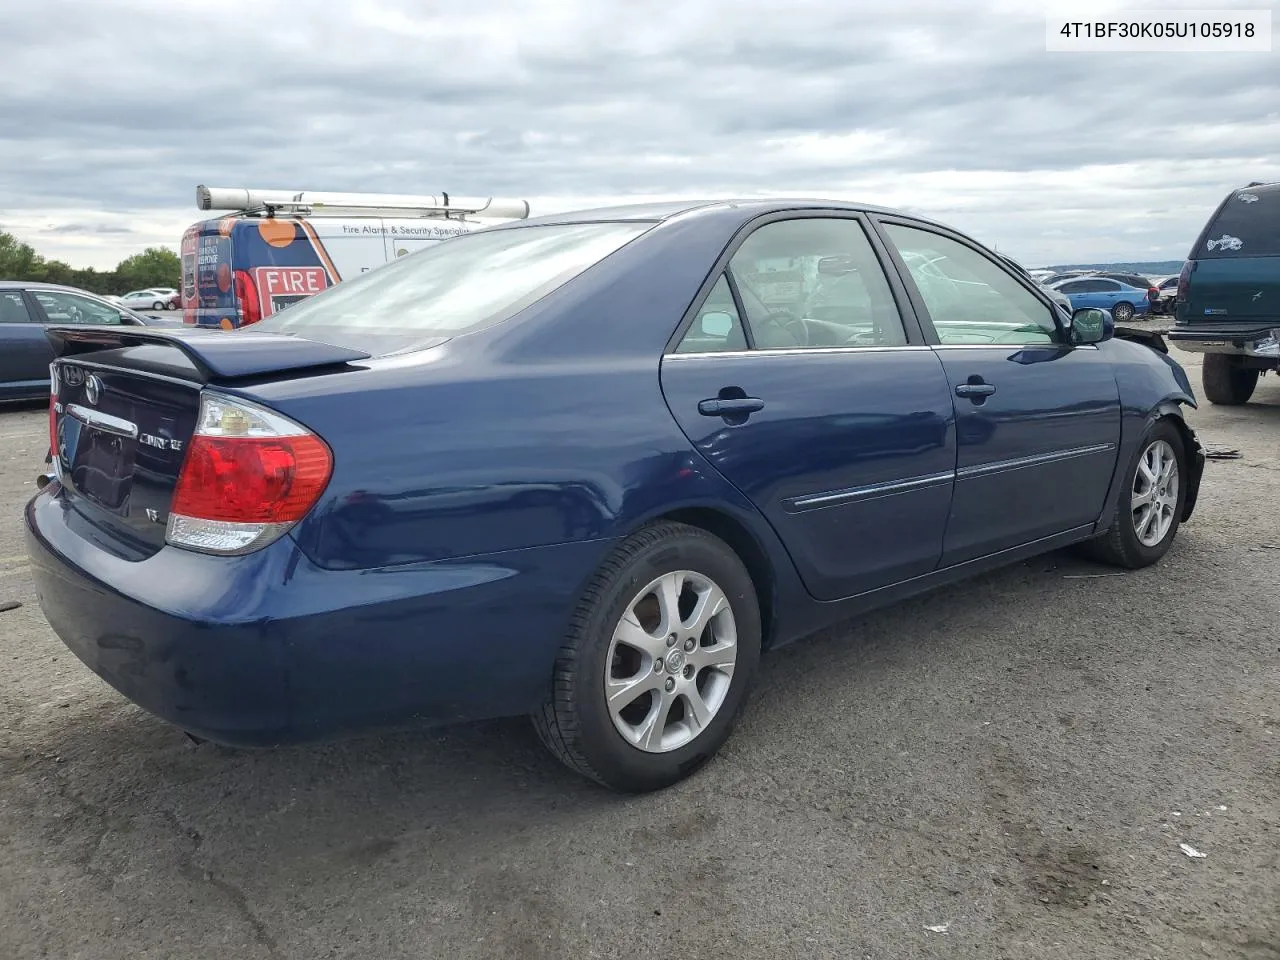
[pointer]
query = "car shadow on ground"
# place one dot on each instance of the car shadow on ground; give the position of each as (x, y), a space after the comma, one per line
(124, 767)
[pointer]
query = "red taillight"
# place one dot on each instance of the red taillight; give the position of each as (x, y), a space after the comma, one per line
(1153, 294)
(248, 309)
(1184, 280)
(249, 474)
(252, 479)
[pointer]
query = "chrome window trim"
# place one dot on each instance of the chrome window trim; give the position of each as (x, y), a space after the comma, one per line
(794, 351)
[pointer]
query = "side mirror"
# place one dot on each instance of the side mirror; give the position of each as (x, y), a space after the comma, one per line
(1091, 326)
(716, 324)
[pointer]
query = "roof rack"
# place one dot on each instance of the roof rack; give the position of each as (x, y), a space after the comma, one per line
(310, 203)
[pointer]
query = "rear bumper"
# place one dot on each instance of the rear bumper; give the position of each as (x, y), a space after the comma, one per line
(1261, 340)
(268, 649)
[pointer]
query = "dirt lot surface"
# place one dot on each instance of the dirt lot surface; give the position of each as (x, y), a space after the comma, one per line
(1003, 769)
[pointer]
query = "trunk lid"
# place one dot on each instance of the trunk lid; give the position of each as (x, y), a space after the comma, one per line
(125, 403)
(1232, 291)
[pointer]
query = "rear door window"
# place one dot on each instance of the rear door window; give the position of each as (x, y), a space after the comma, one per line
(68, 308)
(717, 328)
(1248, 225)
(815, 282)
(13, 309)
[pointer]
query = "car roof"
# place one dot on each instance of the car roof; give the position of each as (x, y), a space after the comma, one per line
(54, 287)
(668, 210)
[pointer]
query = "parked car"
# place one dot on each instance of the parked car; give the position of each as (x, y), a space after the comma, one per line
(26, 310)
(1132, 279)
(1228, 300)
(146, 299)
(1167, 290)
(575, 467)
(1056, 278)
(1123, 300)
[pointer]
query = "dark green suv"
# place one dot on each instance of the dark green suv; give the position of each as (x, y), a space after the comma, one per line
(1228, 304)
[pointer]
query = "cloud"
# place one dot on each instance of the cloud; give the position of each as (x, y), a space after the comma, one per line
(953, 110)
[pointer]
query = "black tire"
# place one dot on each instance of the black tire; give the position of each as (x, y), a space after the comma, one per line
(1120, 545)
(1122, 312)
(575, 723)
(1226, 381)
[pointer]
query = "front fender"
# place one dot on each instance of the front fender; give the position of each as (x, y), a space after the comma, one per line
(1152, 386)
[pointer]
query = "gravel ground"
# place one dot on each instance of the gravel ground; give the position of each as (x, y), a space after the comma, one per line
(1002, 769)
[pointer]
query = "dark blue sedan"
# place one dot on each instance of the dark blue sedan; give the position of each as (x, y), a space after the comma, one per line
(584, 468)
(26, 309)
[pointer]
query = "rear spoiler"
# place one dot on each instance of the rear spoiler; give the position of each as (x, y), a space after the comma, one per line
(216, 354)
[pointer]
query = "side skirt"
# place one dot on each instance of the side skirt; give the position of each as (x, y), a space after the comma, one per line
(824, 614)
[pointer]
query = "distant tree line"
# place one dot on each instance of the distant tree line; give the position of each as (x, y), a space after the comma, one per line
(153, 267)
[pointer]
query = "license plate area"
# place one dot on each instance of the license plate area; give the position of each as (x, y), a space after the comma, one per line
(100, 450)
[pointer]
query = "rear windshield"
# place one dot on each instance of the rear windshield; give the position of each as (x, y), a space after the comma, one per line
(457, 286)
(1247, 226)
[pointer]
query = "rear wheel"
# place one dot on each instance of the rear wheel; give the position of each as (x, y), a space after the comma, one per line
(1122, 312)
(657, 662)
(1148, 515)
(1226, 380)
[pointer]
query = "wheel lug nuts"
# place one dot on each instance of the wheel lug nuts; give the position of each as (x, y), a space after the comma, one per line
(657, 665)
(671, 640)
(690, 644)
(671, 684)
(688, 671)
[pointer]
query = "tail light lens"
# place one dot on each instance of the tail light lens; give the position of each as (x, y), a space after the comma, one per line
(1153, 294)
(249, 475)
(1184, 280)
(248, 309)
(53, 413)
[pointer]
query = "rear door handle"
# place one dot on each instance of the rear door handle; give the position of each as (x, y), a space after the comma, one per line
(730, 408)
(975, 389)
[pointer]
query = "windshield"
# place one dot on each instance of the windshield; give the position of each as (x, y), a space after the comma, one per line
(458, 286)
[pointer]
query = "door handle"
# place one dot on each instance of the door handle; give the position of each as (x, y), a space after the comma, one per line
(977, 392)
(736, 407)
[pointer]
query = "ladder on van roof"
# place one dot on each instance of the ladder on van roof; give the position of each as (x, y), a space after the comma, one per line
(310, 203)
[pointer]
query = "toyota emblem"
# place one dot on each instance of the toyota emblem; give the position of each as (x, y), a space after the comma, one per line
(92, 389)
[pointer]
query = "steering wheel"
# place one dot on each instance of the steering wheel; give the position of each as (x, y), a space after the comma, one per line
(793, 326)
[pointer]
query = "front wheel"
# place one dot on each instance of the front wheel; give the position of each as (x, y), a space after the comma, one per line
(657, 662)
(1149, 513)
(1122, 312)
(1227, 382)
(157, 305)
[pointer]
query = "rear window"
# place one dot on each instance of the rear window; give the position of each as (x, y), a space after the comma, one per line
(457, 286)
(1248, 225)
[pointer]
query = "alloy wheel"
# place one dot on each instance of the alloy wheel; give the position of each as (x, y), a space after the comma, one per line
(1154, 498)
(671, 661)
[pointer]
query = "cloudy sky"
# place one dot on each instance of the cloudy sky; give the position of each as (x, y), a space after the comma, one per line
(112, 112)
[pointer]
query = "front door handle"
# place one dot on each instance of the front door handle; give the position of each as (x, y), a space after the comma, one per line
(977, 389)
(736, 407)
